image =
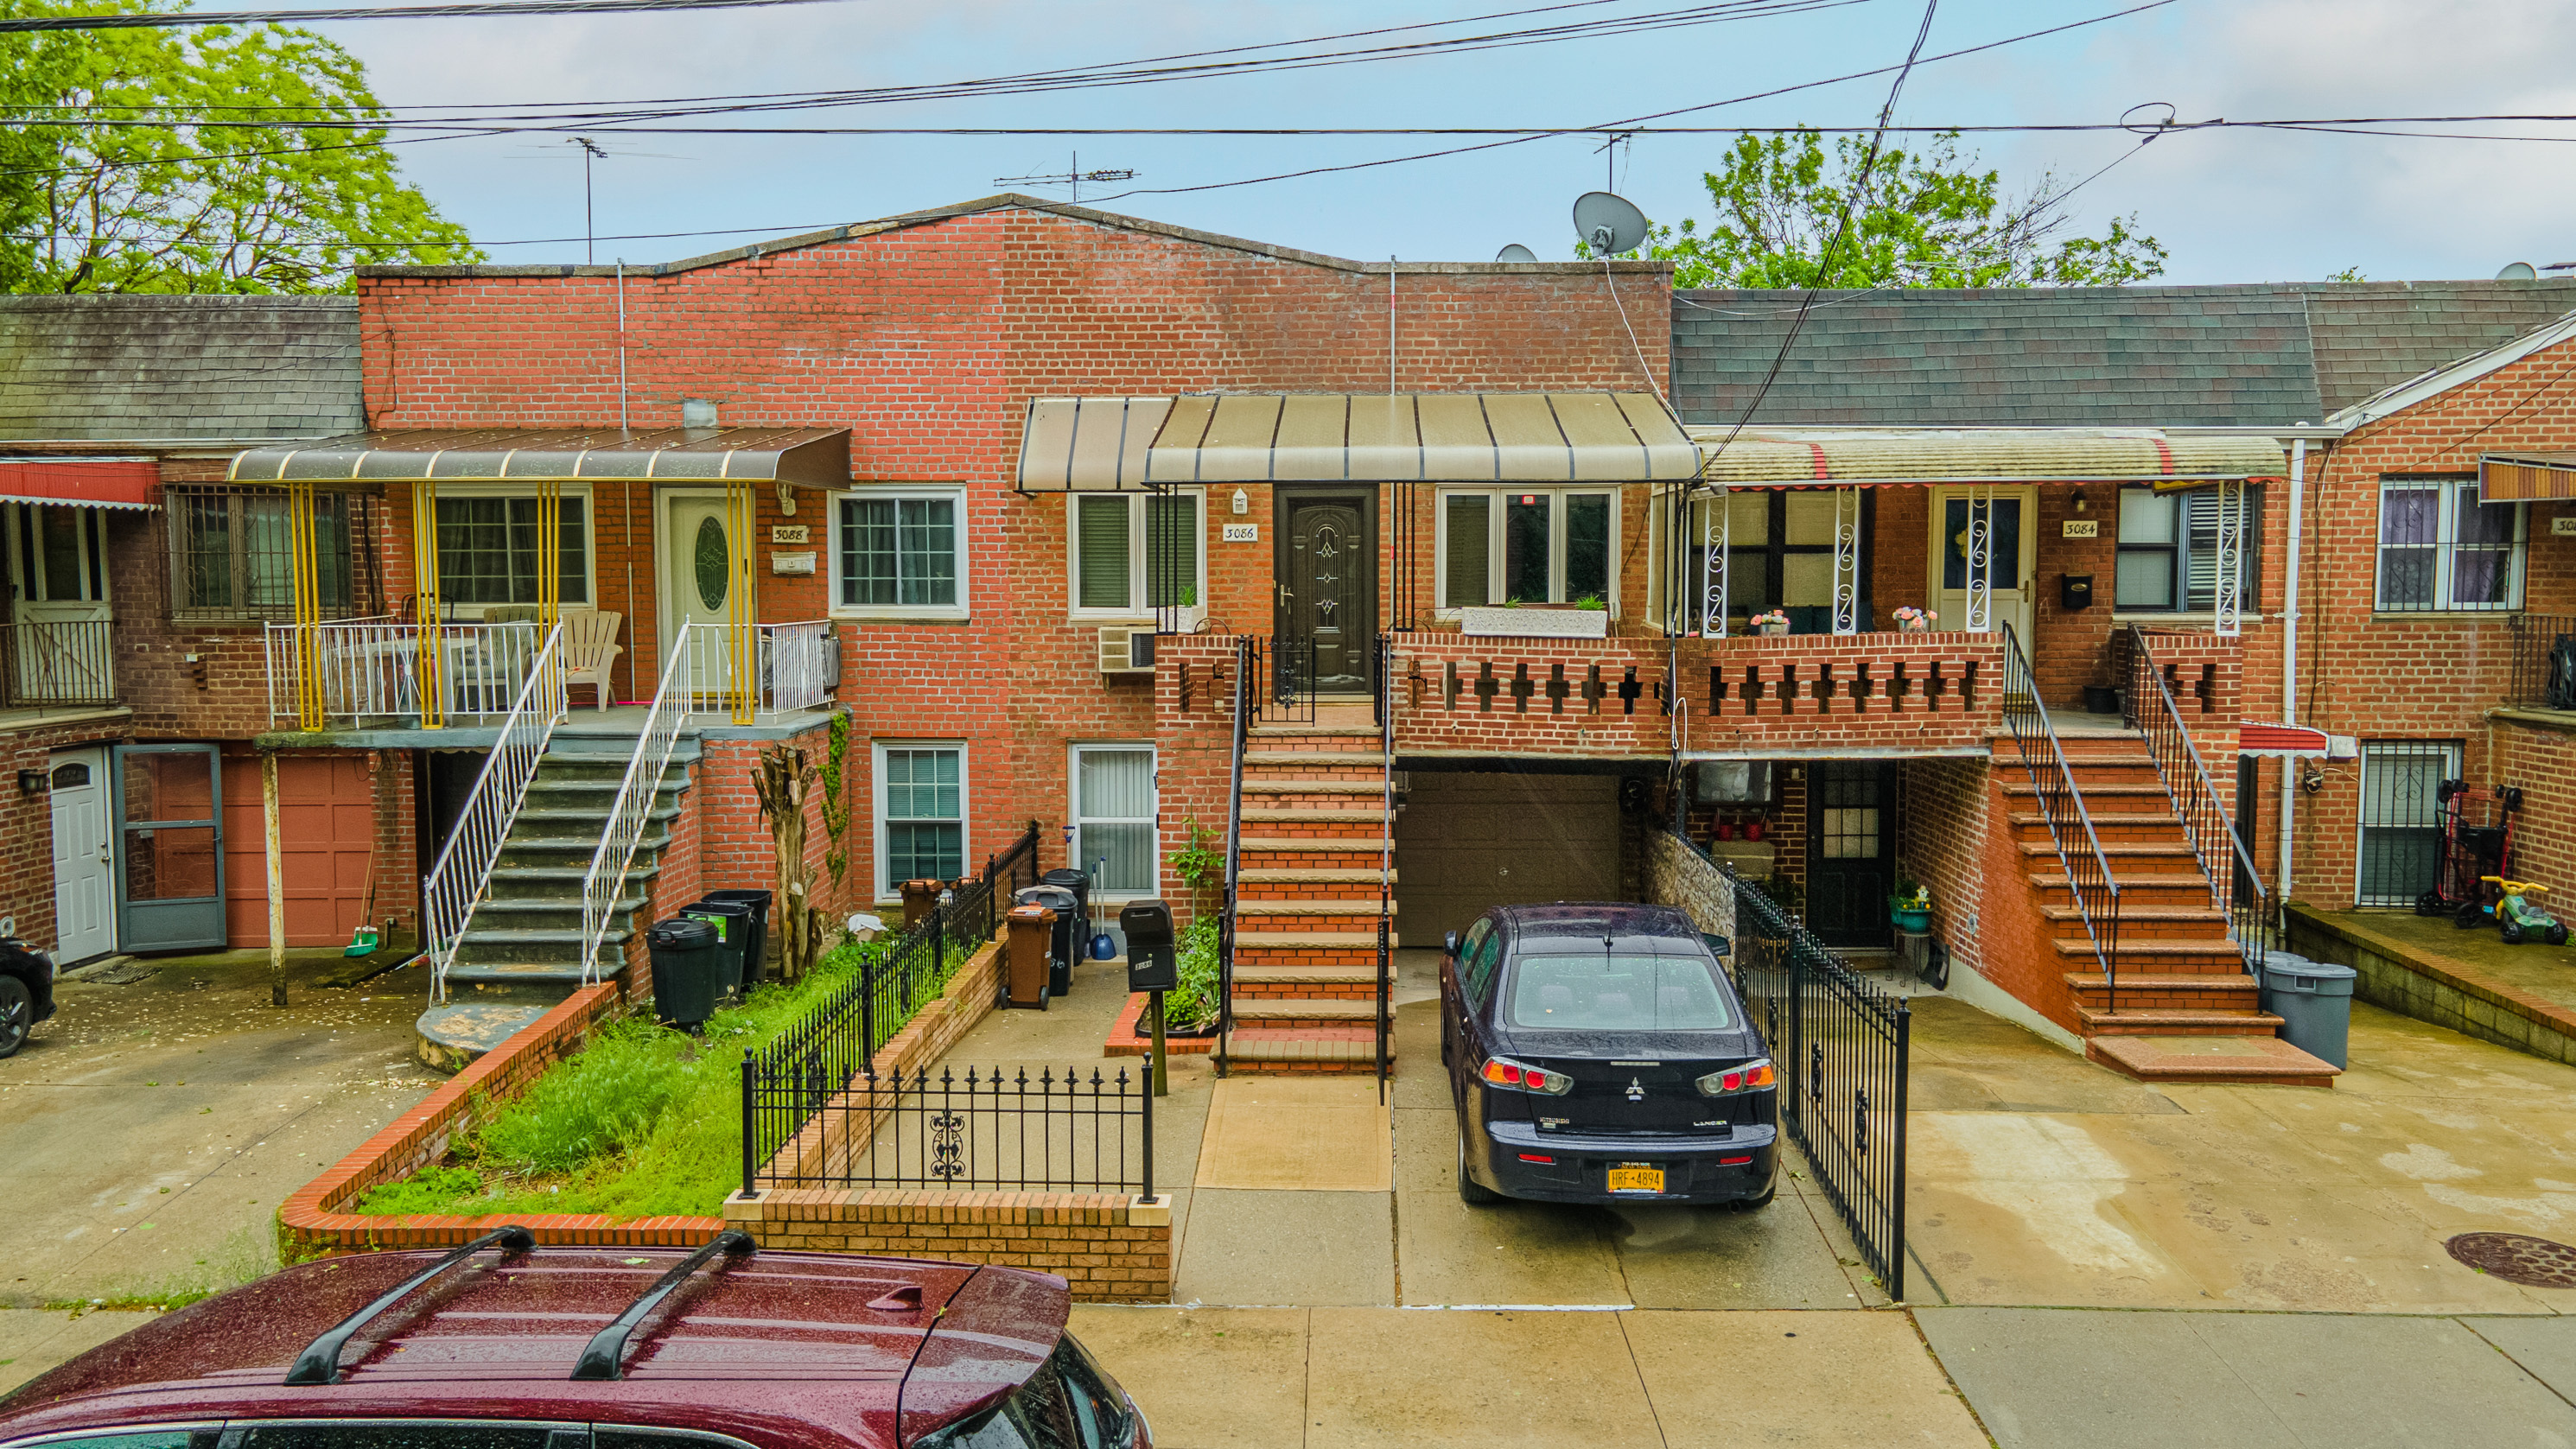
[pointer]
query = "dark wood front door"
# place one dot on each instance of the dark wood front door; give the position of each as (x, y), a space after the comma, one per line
(1851, 850)
(1327, 584)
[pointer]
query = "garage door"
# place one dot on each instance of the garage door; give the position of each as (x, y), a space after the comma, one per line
(1469, 841)
(326, 817)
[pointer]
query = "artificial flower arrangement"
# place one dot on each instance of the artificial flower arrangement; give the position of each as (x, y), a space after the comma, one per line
(1774, 622)
(1915, 619)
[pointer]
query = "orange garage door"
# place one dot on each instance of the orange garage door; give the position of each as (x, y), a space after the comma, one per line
(326, 813)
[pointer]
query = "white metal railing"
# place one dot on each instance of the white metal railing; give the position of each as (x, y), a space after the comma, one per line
(635, 793)
(792, 667)
(463, 874)
(370, 668)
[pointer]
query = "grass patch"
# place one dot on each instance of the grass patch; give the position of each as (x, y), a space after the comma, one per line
(645, 1121)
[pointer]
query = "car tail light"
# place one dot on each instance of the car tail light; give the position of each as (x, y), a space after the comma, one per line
(1538, 1157)
(1734, 1161)
(1522, 1077)
(1753, 1076)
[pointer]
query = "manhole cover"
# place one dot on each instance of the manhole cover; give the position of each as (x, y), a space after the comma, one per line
(2531, 1262)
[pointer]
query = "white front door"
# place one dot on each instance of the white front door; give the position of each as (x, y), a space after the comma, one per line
(697, 586)
(84, 886)
(2011, 519)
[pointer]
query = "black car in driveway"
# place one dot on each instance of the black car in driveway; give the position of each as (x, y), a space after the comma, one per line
(1598, 1054)
(26, 992)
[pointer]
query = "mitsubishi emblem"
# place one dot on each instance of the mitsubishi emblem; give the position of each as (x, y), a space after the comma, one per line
(1636, 1090)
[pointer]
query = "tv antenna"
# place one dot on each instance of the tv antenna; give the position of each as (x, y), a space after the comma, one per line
(1073, 178)
(590, 152)
(1611, 141)
(1608, 223)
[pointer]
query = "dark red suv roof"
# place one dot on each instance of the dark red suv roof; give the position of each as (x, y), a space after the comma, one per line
(776, 1348)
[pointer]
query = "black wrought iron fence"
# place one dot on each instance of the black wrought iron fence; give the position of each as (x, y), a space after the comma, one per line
(1840, 1045)
(58, 662)
(1284, 678)
(2544, 662)
(1068, 1130)
(2234, 885)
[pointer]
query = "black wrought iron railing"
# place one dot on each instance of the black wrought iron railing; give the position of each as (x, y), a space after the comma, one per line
(788, 1079)
(58, 662)
(1841, 1046)
(1247, 696)
(1286, 685)
(2089, 881)
(2234, 885)
(1076, 1130)
(2544, 662)
(1382, 680)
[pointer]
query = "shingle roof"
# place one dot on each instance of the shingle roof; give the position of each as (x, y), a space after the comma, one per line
(2251, 356)
(109, 367)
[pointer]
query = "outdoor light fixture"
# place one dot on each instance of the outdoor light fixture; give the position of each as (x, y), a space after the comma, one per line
(31, 782)
(2079, 500)
(1242, 501)
(787, 498)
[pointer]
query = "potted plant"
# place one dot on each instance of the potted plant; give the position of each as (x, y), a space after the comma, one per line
(1914, 620)
(1775, 621)
(1910, 909)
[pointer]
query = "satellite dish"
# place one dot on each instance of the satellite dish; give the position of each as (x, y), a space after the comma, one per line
(2517, 272)
(1608, 222)
(1516, 253)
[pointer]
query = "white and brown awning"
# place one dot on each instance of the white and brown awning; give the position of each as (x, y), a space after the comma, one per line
(1853, 458)
(1127, 444)
(808, 457)
(2526, 477)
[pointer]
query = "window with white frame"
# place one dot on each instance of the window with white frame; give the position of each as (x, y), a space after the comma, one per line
(899, 552)
(921, 814)
(1137, 552)
(2441, 548)
(489, 549)
(1115, 838)
(1526, 546)
(2168, 556)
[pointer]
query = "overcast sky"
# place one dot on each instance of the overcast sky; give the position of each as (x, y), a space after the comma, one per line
(2232, 206)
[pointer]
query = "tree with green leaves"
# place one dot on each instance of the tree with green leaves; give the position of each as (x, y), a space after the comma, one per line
(1926, 219)
(113, 180)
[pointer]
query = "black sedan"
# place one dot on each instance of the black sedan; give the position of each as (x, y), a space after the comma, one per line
(1598, 1054)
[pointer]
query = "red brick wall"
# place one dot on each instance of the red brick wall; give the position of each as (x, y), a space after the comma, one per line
(1941, 829)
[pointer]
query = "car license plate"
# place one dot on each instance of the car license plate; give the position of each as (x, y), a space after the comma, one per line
(1636, 1177)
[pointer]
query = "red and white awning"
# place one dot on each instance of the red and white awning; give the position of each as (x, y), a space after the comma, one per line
(79, 482)
(2266, 740)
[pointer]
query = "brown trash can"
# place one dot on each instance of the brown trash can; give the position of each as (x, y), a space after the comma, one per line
(920, 897)
(1032, 932)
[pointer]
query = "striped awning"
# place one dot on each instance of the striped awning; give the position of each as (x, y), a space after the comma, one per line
(2523, 477)
(1831, 458)
(812, 457)
(1126, 444)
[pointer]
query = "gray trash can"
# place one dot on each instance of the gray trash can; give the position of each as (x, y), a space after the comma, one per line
(2314, 1001)
(2289, 961)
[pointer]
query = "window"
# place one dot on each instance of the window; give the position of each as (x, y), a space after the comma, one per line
(921, 814)
(1477, 957)
(899, 553)
(1500, 546)
(1134, 553)
(2441, 549)
(2168, 559)
(2401, 818)
(1113, 809)
(1779, 554)
(229, 554)
(1601, 992)
(488, 550)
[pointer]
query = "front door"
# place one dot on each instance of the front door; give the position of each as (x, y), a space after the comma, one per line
(57, 573)
(1851, 850)
(697, 585)
(1327, 590)
(169, 847)
(2012, 519)
(84, 857)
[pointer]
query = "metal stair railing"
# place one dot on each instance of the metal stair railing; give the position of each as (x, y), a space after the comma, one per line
(2070, 826)
(2234, 885)
(635, 794)
(462, 876)
(1382, 664)
(1246, 697)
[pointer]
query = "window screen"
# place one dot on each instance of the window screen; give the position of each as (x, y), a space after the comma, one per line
(1466, 543)
(1114, 804)
(1100, 553)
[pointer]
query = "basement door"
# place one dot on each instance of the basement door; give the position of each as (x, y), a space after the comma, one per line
(169, 848)
(1851, 850)
(84, 857)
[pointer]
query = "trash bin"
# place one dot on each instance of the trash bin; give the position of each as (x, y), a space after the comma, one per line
(920, 898)
(684, 971)
(2289, 961)
(755, 948)
(1030, 928)
(1079, 883)
(1064, 940)
(2314, 1001)
(732, 921)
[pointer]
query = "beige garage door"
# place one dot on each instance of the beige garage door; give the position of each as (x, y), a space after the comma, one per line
(1466, 842)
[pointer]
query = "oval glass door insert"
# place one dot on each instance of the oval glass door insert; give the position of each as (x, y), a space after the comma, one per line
(711, 569)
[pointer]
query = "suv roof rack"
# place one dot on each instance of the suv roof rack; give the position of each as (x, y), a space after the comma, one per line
(319, 1363)
(603, 1357)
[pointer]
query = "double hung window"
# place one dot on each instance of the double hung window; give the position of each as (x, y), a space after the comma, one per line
(1535, 546)
(899, 553)
(1114, 830)
(490, 550)
(2168, 560)
(1137, 552)
(230, 559)
(921, 814)
(2442, 549)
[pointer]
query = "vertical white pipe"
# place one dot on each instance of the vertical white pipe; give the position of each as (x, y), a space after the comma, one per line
(2290, 650)
(1390, 326)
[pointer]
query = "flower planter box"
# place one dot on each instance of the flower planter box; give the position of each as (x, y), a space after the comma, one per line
(1536, 623)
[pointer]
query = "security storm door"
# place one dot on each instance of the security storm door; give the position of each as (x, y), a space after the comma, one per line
(169, 847)
(1986, 542)
(698, 579)
(1851, 850)
(84, 856)
(1327, 586)
(57, 576)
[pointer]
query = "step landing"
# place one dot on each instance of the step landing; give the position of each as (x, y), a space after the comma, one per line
(2251, 1060)
(453, 1036)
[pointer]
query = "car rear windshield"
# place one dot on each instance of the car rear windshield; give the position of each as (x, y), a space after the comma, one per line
(1600, 991)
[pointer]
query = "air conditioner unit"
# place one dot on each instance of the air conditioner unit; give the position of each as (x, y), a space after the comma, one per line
(1126, 649)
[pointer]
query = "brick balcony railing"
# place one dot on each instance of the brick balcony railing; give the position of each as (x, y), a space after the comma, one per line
(1605, 698)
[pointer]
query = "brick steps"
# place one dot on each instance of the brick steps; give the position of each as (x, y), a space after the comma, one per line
(1312, 898)
(2174, 1021)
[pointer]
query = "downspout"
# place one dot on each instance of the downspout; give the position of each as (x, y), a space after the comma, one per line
(2290, 650)
(626, 487)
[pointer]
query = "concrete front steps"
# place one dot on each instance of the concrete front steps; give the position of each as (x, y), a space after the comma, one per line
(521, 951)
(2180, 979)
(1310, 898)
